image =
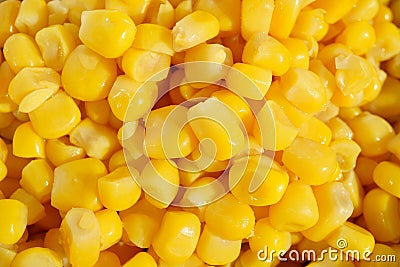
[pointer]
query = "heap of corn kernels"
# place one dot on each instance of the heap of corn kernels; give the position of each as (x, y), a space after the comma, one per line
(328, 71)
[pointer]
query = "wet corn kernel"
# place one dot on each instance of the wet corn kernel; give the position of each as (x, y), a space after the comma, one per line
(75, 184)
(381, 251)
(155, 38)
(356, 237)
(13, 220)
(80, 237)
(265, 235)
(385, 14)
(59, 151)
(316, 130)
(334, 12)
(392, 66)
(339, 129)
(334, 208)
(272, 185)
(347, 152)
(98, 111)
(8, 13)
(108, 259)
(364, 168)
(183, 9)
(248, 80)
(56, 117)
(310, 23)
(358, 36)
(56, 43)
(14, 163)
(267, 52)
(35, 209)
(32, 16)
(385, 176)
(57, 11)
(387, 40)
(290, 215)
(110, 228)
(299, 52)
(353, 185)
(141, 259)
(284, 17)
(298, 159)
(6, 75)
(215, 250)
(194, 29)
(381, 215)
(363, 10)
(118, 190)
(37, 256)
(7, 256)
(23, 134)
(256, 17)
(17, 61)
(161, 13)
(372, 140)
(229, 218)
(136, 9)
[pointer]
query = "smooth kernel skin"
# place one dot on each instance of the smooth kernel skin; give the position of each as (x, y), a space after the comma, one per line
(28, 144)
(153, 37)
(385, 175)
(88, 76)
(111, 27)
(316, 130)
(194, 29)
(161, 14)
(136, 9)
(6, 75)
(59, 151)
(387, 40)
(13, 220)
(108, 259)
(310, 23)
(358, 36)
(37, 179)
(141, 259)
(256, 16)
(37, 256)
(291, 215)
(56, 117)
(335, 12)
(110, 228)
(299, 52)
(32, 16)
(177, 238)
(7, 256)
(36, 210)
(284, 17)
(8, 13)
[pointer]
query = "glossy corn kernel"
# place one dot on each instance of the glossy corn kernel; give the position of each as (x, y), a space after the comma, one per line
(171, 122)
(385, 176)
(265, 51)
(37, 256)
(267, 236)
(334, 208)
(385, 14)
(299, 52)
(256, 17)
(347, 152)
(183, 9)
(127, 91)
(6, 75)
(353, 185)
(35, 209)
(7, 256)
(141, 259)
(13, 220)
(339, 129)
(334, 12)
(154, 38)
(310, 23)
(57, 11)
(381, 216)
(358, 36)
(110, 228)
(8, 13)
(80, 237)
(284, 17)
(56, 117)
(99, 27)
(161, 13)
(312, 168)
(59, 151)
(269, 187)
(372, 140)
(118, 190)
(75, 184)
(17, 61)
(193, 261)
(194, 29)
(387, 40)
(355, 238)
(363, 10)
(32, 16)
(136, 9)
(248, 80)
(28, 144)
(56, 43)
(98, 111)
(381, 251)
(108, 259)
(314, 129)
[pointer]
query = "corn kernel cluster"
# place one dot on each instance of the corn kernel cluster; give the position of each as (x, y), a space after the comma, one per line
(79, 89)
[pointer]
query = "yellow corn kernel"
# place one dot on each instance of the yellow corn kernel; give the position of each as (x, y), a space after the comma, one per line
(59, 151)
(227, 12)
(116, 160)
(76, 7)
(113, 27)
(126, 92)
(37, 256)
(37, 179)
(387, 41)
(248, 80)
(6, 75)
(314, 129)
(136, 9)
(110, 228)
(142, 65)
(98, 111)
(205, 162)
(335, 12)
(17, 61)
(392, 67)
(177, 237)
(313, 168)
(35, 209)
(159, 180)
(233, 223)
(334, 208)
(6, 256)
(141, 259)
(8, 13)
(13, 221)
(339, 129)
(194, 29)
(265, 235)
(250, 259)
(264, 51)
(73, 29)
(291, 215)
(8, 185)
(385, 176)
(354, 187)
(193, 261)
(364, 169)
(310, 23)
(14, 164)
(329, 53)
(58, 12)
(32, 16)
(347, 152)
(327, 78)
(284, 17)
(304, 89)
(80, 237)
(372, 140)
(381, 215)
(28, 144)
(236, 44)
(363, 10)
(167, 133)
(215, 250)
(3, 150)
(56, 43)
(256, 16)
(56, 117)
(155, 38)
(382, 255)
(358, 36)
(88, 76)
(108, 259)
(252, 172)
(161, 14)
(299, 52)
(227, 138)
(351, 237)
(385, 14)
(3, 170)
(75, 184)
(183, 9)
